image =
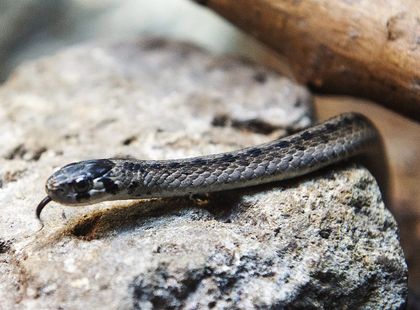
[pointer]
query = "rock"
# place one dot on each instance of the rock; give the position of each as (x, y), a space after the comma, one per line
(20, 22)
(34, 28)
(323, 241)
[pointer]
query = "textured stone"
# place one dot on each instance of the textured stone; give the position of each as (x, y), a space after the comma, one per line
(325, 240)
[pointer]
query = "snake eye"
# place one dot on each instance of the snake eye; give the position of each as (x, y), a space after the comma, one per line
(82, 185)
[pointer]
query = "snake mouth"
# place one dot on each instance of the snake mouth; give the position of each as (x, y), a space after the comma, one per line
(41, 206)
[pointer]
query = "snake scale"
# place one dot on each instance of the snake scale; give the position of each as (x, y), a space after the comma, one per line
(92, 181)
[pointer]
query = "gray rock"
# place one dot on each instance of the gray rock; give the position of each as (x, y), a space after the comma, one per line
(21, 21)
(323, 241)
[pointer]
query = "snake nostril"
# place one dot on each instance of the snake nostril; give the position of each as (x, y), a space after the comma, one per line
(55, 190)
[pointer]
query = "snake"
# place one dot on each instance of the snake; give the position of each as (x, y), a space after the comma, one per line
(96, 180)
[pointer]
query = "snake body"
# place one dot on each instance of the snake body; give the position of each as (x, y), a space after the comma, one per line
(92, 181)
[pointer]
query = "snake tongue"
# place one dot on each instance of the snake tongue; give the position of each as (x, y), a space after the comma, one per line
(41, 206)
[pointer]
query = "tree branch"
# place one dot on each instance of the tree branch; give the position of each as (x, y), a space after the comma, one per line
(363, 48)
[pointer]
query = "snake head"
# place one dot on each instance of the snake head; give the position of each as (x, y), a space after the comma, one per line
(79, 183)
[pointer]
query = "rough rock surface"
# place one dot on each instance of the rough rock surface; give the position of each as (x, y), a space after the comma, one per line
(325, 240)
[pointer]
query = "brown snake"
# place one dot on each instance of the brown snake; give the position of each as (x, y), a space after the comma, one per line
(335, 140)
